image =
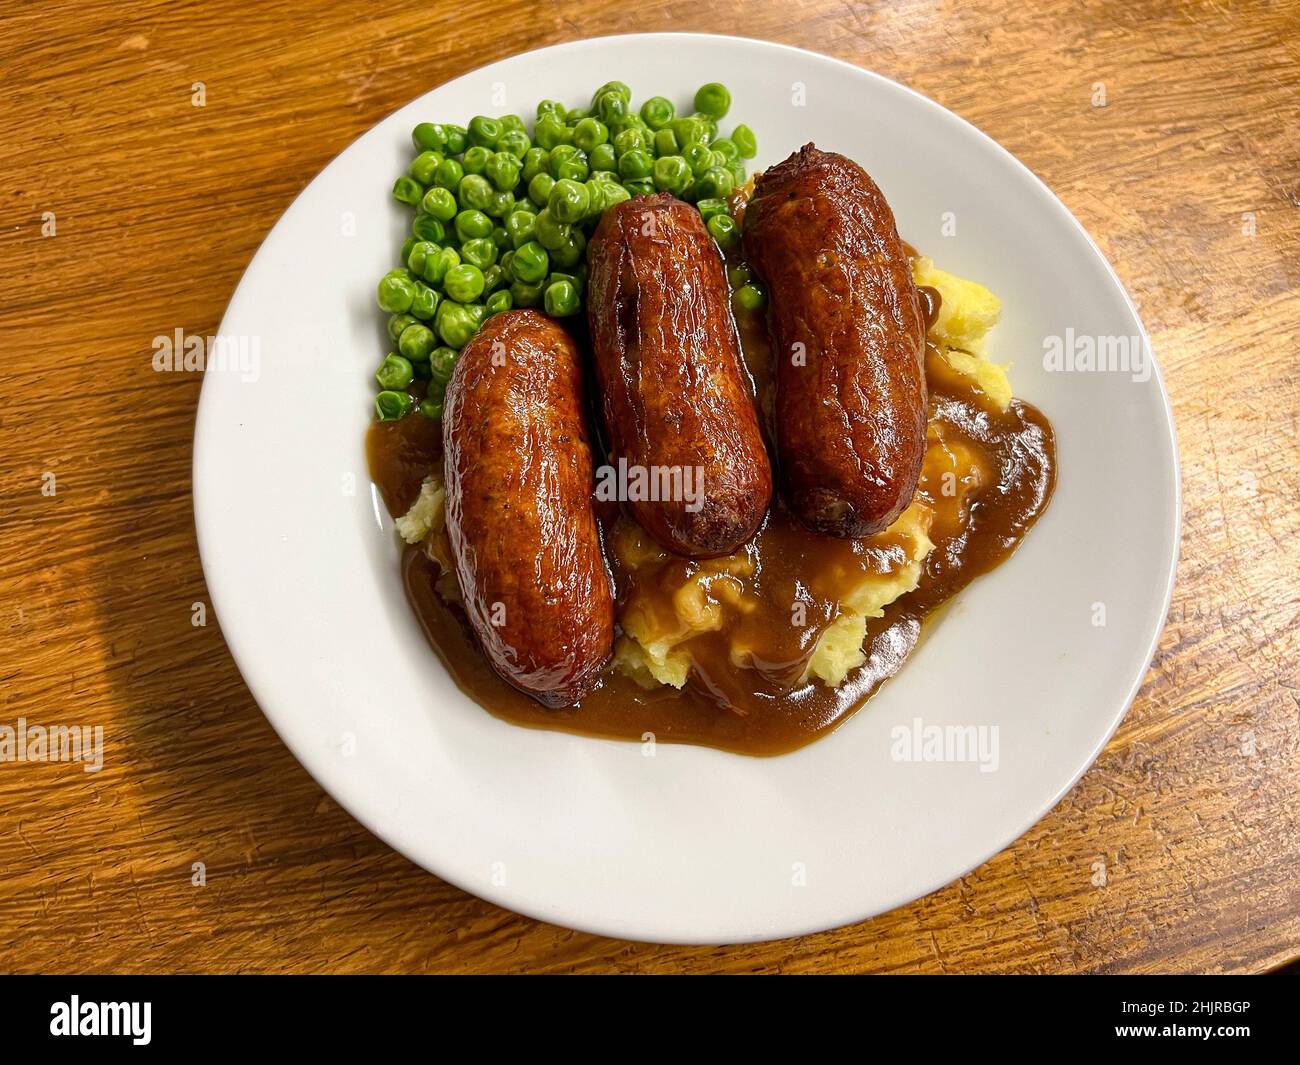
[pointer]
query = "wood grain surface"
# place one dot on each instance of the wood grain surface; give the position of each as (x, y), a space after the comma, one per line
(1188, 178)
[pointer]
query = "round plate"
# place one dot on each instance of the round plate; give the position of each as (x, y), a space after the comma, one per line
(677, 843)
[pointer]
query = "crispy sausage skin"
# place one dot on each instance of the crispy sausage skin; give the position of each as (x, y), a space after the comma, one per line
(674, 389)
(849, 337)
(520, 520)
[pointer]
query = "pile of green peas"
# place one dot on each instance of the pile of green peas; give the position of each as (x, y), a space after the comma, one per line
(502, 217)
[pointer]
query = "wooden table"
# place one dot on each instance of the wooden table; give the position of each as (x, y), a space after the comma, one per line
(1189, 178)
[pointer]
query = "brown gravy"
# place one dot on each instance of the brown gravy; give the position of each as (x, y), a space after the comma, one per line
(757, 711)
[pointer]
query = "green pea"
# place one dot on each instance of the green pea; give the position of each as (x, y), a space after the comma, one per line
(503, 171)
(507, 257)
(691, 130)
(463, 283)
(436, 266)
(514, 142)
(558, 155)
(478, 251)
(698, 157)
(456, 324)
(521, 226)
(595, 197)
(396, 294)
(714, 183)
(426, 227)
(431, 409)
(501, 204)
(569, 254)
(535, 162)
(709, 207)
(724, 230)
(457, 141)
(407, 190)
(499, 236)
(415, 343)
(561, 299)
(442, 361)
(395, 372)
(569, 201)
(749, 297)
(471, 223)
(611, 106)
(619, 87)
(539, 189)
(448, 175)
(440, 203)
(629, 140)
(578, 279)
(615, 193)
(672, 174)
(640, 187)
(550, 107)
(530, 263)
(511, 124)
(424, 165)
(743, 138)
(398, 322)
(738, 275)
(418, 254)
(526, 293)
(713, 99)
(737, 169)
(589, 133)
(475, 191)
(425, 304)
(493, 277)
(726, 148)
(657, 112)
(709, 122)
(665, 142)
(550, 132)
(484, 131)
(551, 232)
(390, 406)
(475, 159)
(499, 301)
(407, 245)
(635, 164)
(573, 167)
(429, 136)
(602, 158)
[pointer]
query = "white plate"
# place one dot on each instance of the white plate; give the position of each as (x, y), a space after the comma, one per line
(690, 845)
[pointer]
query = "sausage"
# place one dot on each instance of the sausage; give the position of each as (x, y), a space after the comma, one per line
(520, 519)
(674, 391)
(849, 333)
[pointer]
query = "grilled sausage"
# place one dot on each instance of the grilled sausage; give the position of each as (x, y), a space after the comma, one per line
(849, 335)
(520, 520)
(675, 393)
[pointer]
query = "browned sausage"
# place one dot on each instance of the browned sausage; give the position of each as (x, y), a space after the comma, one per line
(849, 337)
(519, 511)
(675, 394)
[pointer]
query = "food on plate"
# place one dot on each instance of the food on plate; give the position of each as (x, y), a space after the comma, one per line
(519, 515)
(673, 388)
(502, 217)
(731, 616)
(848, 334)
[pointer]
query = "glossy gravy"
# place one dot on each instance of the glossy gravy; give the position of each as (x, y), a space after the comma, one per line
(762, 711)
